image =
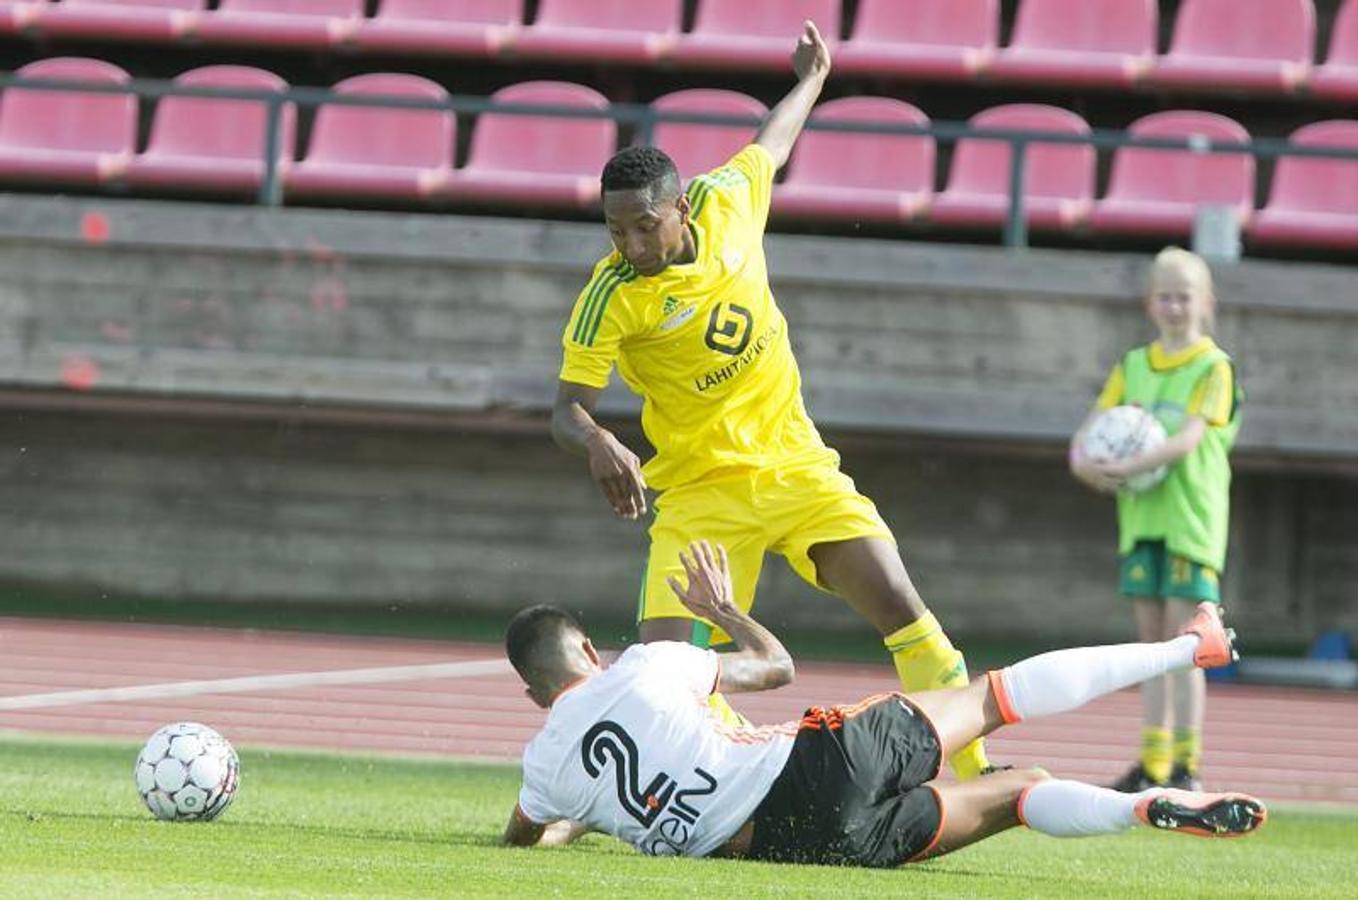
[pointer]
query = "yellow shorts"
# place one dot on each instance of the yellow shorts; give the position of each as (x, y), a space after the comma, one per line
(786, 510)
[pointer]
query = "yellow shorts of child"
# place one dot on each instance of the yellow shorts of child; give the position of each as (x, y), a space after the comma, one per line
(786, 510)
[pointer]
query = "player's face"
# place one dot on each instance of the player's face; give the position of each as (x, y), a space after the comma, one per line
(1178, 304)
(647, 230)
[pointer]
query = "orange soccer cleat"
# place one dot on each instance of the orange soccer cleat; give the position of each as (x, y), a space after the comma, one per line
(1215, 645)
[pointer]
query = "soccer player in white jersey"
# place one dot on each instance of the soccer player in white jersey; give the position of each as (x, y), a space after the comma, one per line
(633, 750)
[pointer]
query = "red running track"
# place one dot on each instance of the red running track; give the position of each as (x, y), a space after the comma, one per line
(1283, 744)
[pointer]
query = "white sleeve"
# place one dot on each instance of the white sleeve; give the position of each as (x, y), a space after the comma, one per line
(695, 668)
(536, 806)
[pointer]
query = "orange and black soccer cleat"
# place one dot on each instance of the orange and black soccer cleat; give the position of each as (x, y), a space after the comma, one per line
(1204, 815)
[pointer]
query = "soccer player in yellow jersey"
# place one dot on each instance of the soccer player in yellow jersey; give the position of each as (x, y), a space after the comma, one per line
(683, 309)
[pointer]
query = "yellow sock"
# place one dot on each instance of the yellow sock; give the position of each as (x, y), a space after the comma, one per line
(1188, 749)
(724, 713)
(1157, 752)
(926, 661)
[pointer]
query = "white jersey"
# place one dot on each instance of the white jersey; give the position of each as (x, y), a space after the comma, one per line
(635, 752)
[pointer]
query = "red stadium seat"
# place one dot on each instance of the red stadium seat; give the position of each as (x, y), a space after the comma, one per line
(1338, 79)
(462, 27)
(1158, 192)
(121, 20)
(753, 34)
(371, 151)
(624, 31)
(1247, 45)
(542, 161)
(921, 38)
(67, 136)
(1314, 201)
(697, 148)
(282, 23)
(18, 16)
(848, 176)
(1093, 43)
(1058, 180)
(211, 144)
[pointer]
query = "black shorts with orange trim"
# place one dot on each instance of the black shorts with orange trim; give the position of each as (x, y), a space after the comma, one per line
(853, 792)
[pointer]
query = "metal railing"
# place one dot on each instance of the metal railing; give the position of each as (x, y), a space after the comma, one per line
(644, 118)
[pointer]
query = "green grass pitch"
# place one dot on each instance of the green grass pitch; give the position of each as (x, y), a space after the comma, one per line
(314, 824)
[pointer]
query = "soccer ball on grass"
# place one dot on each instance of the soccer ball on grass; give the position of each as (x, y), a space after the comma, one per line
(1121, 433)
(187, 772)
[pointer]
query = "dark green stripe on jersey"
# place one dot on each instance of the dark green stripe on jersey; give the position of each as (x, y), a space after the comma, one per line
(701, 187)
(602, 283)
(602, 290)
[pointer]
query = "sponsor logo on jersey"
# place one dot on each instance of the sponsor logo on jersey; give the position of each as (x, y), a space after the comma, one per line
(752, 350)
(674, 315)
(659, 803)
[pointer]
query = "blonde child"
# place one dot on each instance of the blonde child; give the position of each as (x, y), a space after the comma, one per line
(1172, 538)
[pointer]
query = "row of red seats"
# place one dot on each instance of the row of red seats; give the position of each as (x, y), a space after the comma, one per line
(217, 145)
(1232, 45)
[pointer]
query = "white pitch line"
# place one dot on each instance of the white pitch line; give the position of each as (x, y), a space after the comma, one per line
(256, 683)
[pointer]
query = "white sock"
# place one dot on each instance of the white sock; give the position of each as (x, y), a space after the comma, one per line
(1063, 680)
(1073, 809)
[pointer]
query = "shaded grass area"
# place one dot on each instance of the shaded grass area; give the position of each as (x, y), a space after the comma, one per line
(321, 824)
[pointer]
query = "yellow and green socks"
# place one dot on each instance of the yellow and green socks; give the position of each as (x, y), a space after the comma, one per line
(926, 660)
(1157, 753)
(1187, 749)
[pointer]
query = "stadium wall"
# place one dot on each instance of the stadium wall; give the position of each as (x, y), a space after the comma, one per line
(233, 403)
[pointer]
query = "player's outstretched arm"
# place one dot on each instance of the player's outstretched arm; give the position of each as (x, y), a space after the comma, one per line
(522, 832)
(811, 62)
(614, 468)
(762, 662)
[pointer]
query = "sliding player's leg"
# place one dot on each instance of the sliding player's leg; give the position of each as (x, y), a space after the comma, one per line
(1064, 680)
(974, 810)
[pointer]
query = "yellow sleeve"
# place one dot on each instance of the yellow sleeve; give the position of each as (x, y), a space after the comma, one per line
(1113, 389)
(747, 175)
(1214, 395)
(595, 330)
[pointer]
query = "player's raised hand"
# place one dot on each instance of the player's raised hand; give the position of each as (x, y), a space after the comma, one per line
(812, 56)
(709, 593)
(617, 471)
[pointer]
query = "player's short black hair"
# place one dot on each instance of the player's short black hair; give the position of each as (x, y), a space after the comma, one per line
(640, 167)
(533, 640)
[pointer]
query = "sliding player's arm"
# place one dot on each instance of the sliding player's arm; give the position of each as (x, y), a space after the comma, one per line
(762, 662)
(811, 62)
(614, 468)
(524, 832)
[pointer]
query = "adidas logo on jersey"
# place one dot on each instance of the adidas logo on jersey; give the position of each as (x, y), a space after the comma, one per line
(675, 319)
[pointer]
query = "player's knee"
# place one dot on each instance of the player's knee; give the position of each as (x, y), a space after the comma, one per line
(1022, 779)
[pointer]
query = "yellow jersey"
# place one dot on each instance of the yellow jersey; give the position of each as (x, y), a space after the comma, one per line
(1214, 397)
(703, 343)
